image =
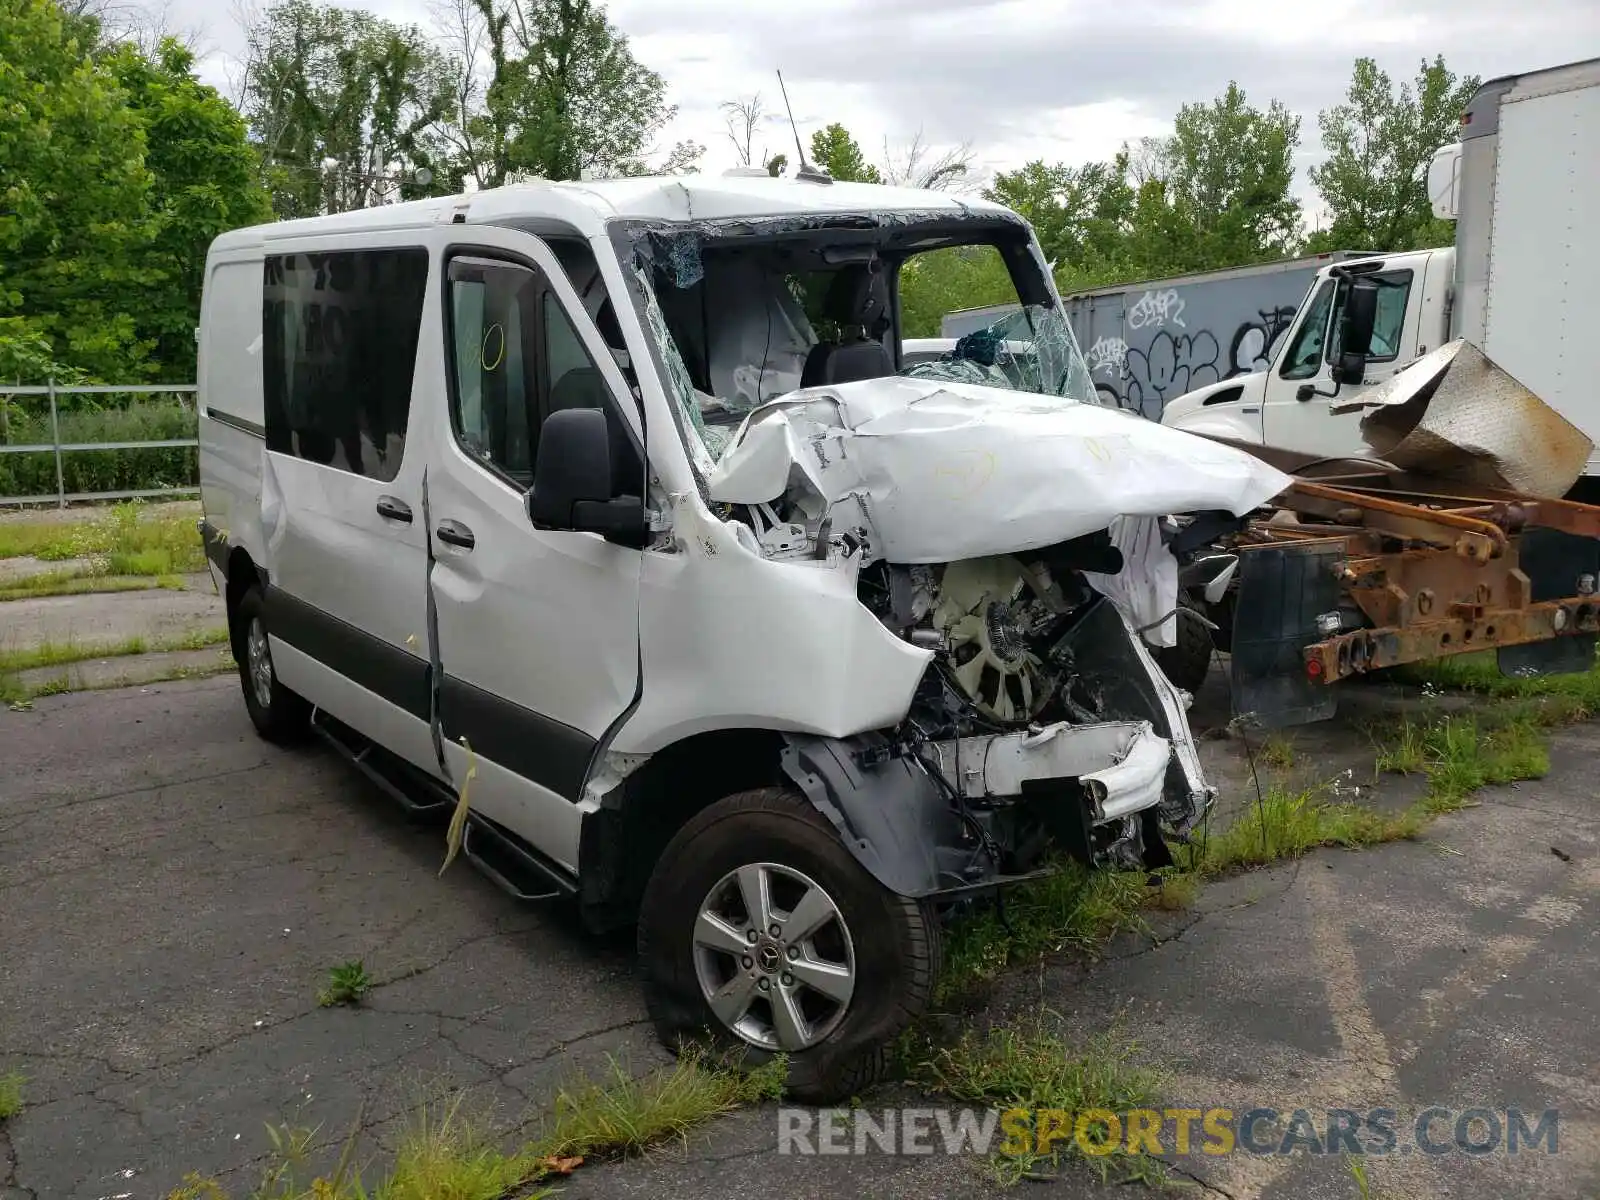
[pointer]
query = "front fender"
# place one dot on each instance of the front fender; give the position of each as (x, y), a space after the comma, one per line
(1229, 409)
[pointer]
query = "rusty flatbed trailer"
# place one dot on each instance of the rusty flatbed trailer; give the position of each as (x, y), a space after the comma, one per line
(1363, 567)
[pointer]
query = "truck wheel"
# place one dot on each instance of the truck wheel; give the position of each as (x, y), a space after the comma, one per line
(758, 927)
(1187, 663)
(278, 714)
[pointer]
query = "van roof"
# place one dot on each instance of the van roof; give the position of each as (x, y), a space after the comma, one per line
(685, 198)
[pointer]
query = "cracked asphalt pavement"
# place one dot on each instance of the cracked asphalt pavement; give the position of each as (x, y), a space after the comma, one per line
(173, 891)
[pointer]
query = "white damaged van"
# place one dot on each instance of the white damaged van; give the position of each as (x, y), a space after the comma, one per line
(621, 496)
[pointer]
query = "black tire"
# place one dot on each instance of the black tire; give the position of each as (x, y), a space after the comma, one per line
(1187, 663)
(895, 939)
(281, 716)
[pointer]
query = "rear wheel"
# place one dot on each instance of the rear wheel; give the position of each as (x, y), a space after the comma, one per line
(760, 928)
(278, 714)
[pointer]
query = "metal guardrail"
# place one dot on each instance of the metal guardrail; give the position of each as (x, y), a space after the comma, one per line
(59, 448)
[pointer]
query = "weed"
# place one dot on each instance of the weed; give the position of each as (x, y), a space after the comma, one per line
(1405, 756)
(70, 583)
(347, 984)
(1358, 1172)
(1276, 752)
(1288, 824)
(50, 654)
(1029, 1067)
(1073, 907)
(121, 540)
(1459, 755)
(1176, 891)
(445, 1152)
(10, 1094)
(59, 686)
(448, 1153)
(624, 1114)
(1574, 695)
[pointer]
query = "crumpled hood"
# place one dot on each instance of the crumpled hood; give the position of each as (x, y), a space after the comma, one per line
(937, 471)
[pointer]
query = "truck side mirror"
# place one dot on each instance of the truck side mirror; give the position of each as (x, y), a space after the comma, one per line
(572, 479)
(1355, 331)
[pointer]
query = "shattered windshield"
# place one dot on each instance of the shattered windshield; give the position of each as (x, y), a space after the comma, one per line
(1031, 350)
(744, 313)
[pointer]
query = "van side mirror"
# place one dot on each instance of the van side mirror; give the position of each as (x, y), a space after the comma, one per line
(1355, 331)
(572, 479)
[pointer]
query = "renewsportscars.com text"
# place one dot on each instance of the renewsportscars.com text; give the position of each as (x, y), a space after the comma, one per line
(1435, 1130)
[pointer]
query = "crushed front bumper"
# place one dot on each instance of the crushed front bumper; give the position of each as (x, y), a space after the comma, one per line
(1122, 765)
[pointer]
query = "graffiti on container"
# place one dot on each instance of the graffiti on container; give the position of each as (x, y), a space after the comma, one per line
(1156, 309)
(1108, 356)
(1169, 367)
(1255, 343)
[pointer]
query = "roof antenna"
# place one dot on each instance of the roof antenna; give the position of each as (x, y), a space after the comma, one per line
(807, 172)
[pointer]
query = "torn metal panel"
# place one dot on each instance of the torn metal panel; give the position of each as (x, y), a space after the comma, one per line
(1122, 764)
(1455, 414)
(934, 472)
(1146, 588)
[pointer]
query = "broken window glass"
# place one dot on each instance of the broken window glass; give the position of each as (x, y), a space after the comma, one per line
(1031, 350)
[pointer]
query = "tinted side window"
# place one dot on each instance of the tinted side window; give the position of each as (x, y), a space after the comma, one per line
(339, 344)
(516, 357)
(494, 350)
(1388, 327)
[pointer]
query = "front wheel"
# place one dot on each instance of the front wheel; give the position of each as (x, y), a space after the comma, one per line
(759, 927)
(1187, 663)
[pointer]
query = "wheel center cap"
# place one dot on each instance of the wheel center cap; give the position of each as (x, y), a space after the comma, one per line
(769, 957)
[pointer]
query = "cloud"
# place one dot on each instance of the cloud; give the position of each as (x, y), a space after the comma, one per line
(1068, 80)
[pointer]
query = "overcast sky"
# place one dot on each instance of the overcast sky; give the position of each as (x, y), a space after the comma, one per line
(1063, 80)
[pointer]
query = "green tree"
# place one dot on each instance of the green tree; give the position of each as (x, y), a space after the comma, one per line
(1378, 144)
(1081, 214)
(940, 281)
(345, 108)
(73, 202)
(206, 181)
(836, 152)
(1222, 181)
(566, 95)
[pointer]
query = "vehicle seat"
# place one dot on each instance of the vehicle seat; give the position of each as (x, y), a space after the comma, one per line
(858, 301)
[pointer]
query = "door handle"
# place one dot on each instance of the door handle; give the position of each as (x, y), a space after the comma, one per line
(392, 508)
(454, 533)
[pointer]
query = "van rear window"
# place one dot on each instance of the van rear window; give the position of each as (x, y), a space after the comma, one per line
(339, 336)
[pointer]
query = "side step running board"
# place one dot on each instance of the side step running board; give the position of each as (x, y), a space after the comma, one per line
(408, 787)
(513, 866)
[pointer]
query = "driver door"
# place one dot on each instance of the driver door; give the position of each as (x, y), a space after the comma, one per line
(537, 632)
(1308, 424)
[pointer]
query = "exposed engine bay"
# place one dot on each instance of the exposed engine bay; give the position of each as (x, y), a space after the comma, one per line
(1023, 543)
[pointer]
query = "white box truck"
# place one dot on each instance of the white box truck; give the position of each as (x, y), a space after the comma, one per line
(1521, 185)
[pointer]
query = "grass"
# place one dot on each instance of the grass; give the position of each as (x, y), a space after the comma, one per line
(1073, 908)
(1572, 696)
(347, 984)
(1459, 755)
(121, 540)
(70, 583)
(1276, 752)
(10, 1095)
(447, 1152)
(1288, 823)
(52, 654)
(1030, 1067)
